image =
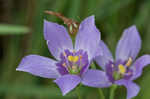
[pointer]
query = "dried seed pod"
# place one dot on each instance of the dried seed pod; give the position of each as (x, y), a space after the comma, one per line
(73, 26)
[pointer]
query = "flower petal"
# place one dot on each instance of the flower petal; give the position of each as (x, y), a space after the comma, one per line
(57, 38)
(95, 78)
(129, 44)
(88, 37)
(39, 66)
(67, 82)
(106, 57)
(132, 88)
(139, 64)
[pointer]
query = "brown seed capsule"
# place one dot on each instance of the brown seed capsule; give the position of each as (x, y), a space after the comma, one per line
(72, 25)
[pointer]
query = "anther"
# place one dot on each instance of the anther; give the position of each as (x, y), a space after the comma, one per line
(129, 62)
(64, 54)
(80, 56)
(64, 64)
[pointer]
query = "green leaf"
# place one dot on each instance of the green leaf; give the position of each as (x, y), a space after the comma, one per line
(6, 29)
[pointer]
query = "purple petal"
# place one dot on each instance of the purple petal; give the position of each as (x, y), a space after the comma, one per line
(95, 78)
(39, 66)
(99, 51)
(139, 64)
(104, 59)
(57, 38)
(132, 88)
(110, 70)
(67, 82)
(88, 37)
(129, 44)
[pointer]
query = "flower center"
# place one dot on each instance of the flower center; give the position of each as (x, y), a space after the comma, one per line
(123, 70)
(119, 71)
(72, 62)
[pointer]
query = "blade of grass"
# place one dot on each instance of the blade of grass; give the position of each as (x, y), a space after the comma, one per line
(6, 29)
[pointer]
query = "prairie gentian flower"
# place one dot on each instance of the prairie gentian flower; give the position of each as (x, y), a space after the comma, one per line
(71, 61)
(124, 69)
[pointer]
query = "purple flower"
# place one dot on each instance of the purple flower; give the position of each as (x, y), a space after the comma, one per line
(124, 69)
(71, 61)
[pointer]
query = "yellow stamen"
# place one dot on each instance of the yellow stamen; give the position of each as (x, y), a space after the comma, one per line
(80, 56)
(64, 64)
(64, 54)
(122, 69)
(73, 58)
(129, 62)
(70, 58)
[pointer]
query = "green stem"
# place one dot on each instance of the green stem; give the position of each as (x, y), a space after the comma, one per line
(78, 92)
(101, 93)
(112, 91)
(93, 66)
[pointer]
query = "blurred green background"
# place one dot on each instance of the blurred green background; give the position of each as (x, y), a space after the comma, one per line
(21, 33)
